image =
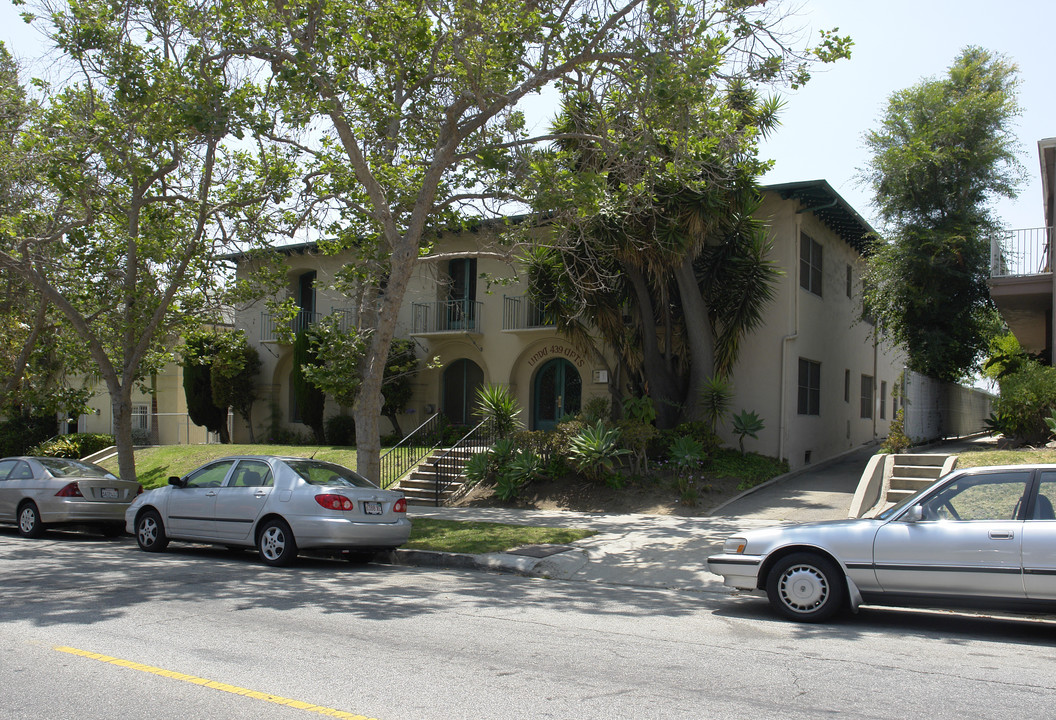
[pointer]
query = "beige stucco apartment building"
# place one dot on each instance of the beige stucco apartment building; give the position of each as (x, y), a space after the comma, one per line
(813, 372)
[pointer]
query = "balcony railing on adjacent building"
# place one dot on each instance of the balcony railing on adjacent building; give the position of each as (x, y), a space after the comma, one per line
(1022, 252)
(269, 329)
(446, 316)
(522, 313)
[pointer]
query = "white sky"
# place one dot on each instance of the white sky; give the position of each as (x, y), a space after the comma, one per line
(897, 43)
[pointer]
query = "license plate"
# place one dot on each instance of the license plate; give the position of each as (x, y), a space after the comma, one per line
(372, 508)
(108, 493)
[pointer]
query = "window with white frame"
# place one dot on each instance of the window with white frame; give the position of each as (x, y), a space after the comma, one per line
(809, 387)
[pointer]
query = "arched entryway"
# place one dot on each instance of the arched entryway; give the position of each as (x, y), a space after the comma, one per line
(557, 391)
(461, 381)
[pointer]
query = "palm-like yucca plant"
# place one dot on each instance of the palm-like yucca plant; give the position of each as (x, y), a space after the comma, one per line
(715, 399)
(496, 404)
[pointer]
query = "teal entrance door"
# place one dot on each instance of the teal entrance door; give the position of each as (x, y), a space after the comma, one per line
(557, 392)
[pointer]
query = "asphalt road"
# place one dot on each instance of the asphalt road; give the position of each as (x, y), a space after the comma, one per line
(97, 629)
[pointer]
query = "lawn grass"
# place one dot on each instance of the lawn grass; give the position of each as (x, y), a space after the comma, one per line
(1024, 456)
(155, 465)
(458, 536)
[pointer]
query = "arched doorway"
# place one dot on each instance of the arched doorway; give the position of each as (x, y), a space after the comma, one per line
(556, 392)
(460, 382)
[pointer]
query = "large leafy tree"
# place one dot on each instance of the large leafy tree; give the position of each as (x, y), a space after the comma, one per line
(409, 113)
(137, 185)
(944, 150)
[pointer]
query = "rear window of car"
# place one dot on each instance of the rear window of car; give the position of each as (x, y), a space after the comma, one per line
(61, 467)
(314, 472)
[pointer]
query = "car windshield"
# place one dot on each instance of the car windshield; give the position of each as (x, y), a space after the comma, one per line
(322, 473)
(61, 467)
(911, 500)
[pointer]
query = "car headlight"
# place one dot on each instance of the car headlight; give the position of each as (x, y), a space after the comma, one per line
(734, 546)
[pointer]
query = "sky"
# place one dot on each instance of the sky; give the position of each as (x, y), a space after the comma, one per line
(897, 44)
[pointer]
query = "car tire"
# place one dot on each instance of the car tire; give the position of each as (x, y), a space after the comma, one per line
(29, 524)
(150, 532)
(276, 544)
(806, 587)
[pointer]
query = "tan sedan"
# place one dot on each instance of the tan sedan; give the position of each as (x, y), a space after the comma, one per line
(40, 492)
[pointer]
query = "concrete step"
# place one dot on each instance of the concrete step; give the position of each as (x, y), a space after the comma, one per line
(910, 483)
(931, 472)
(896, 496)
(919, 459)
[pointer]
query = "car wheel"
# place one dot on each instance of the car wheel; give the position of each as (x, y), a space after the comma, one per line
(150, 532)
(805, 587)
(29, 524)
(275, 543)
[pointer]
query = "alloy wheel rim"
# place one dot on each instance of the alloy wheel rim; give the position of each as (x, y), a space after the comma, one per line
(803, 588)
(27, 520)
(273, 542)
(148, 531)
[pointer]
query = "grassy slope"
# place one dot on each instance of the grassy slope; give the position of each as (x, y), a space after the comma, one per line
(1023, 456)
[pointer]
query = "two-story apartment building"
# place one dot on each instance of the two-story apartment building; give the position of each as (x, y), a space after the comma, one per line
(1021, 273)
(814, 371)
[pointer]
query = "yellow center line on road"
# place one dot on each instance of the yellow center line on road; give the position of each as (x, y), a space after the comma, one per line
(233, 689)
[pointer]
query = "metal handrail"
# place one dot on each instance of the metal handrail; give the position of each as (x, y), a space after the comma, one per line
(1018, 253)
(404, 455)
(484, 433)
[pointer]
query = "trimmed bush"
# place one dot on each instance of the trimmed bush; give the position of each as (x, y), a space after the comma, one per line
(74, 447)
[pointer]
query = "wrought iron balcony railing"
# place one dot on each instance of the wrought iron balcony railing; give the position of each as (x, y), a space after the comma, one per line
(522, 313)
(269, 329)
(446, 316)
(1021, 252)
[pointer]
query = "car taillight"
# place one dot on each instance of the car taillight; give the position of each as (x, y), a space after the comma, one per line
(139, 490)
(334, 502)
(69, 490)
(400, 505)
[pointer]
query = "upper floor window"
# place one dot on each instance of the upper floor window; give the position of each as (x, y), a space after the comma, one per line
(850, 283)
(883, 400)
(810, 264)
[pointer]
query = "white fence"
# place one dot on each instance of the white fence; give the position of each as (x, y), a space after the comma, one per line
(936, 410)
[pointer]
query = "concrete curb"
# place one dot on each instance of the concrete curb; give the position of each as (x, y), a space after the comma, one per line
(495, 562)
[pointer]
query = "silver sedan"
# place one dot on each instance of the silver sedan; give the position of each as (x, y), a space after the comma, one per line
(278, 505)
(38, 492)
(981, 537)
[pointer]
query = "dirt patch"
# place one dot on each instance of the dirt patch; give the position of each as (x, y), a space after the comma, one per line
(652, 496)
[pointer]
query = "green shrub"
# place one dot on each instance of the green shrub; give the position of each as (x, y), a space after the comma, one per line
(478, 469)
(897, 441)
(526, 467)
(636, 436)
(597, 408)
(746, 423)
(507, 487)
(341, 430)
(74, 447)
(19, 433)
(1027, 398)
(594, 452)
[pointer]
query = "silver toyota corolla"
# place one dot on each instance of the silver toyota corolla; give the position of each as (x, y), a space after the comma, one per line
(38, 492)
(278, 505)
(981, 537)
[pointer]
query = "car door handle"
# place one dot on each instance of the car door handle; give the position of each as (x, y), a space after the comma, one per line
(260, 494)
(1001, 534)
(211, 493)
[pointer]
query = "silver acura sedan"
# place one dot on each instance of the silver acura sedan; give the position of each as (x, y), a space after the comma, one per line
(38, 492)
(278, 505)
(981, 537)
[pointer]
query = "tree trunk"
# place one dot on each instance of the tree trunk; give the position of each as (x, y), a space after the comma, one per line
(122, 406)
(699, 337)
(662, 386)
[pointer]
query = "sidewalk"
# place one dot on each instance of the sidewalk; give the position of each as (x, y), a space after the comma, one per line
(660, 551)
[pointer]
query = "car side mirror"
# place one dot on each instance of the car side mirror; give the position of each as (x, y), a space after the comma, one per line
(175, 480)
(914, 514)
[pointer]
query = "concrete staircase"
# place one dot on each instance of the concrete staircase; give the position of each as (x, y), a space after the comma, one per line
(419, 486)
(889, 479)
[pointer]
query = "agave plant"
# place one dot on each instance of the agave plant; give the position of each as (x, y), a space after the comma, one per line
(747, 423)
(594, 451)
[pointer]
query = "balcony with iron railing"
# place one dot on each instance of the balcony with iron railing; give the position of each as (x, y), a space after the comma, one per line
(523, 313)
(1019, 253)
(270, 326)
(447, 316)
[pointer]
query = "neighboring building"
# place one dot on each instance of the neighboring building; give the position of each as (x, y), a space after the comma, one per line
(158, 419)
(1021, 276)
(814, 371)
